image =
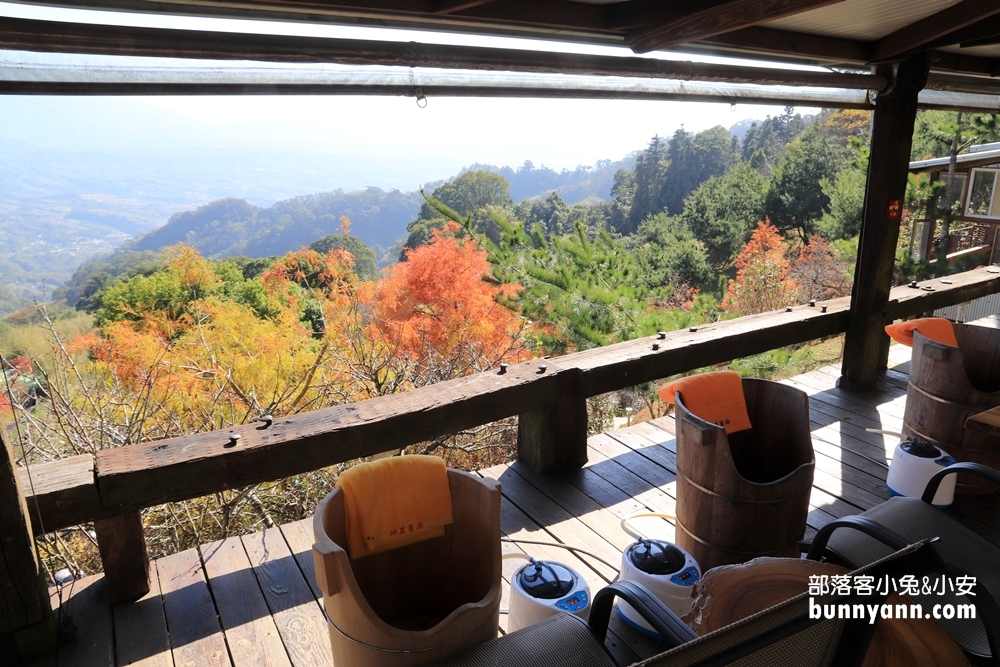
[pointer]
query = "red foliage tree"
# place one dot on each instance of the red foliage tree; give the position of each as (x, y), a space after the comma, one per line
(763, 280)
(443, 312)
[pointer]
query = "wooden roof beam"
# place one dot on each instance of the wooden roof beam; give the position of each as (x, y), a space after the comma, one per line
(985, 40)
(717, 20)
(640, 13)
(979, 30)
(548, 14)
(452, 6)
(934, 29)
(786, 42)
(943, 61)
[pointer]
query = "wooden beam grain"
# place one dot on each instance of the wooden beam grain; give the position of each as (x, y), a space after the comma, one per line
(906, 301)
(786, 42)
(985, 40)
(555, 437)
(965, 64)
(968, 34)
(733, 15)
(136, 476)
(124, 557)
(934, 27)
(634, 362)
(61, 493)
(548, 14)
(24, 600)
(451, 6)
(641, 13)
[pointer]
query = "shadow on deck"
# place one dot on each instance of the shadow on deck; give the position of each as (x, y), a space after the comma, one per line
(253, 600)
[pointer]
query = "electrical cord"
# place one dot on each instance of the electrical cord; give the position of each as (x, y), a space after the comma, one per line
(562, 546)
(636, 534)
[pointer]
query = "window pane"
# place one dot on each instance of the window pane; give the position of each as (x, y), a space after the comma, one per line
(982, 192)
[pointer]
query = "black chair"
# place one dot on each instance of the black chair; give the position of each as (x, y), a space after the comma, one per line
(900, 521)
(783, 635)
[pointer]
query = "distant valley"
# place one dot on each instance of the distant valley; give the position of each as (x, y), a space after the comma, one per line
(81, 184)
(61, 208)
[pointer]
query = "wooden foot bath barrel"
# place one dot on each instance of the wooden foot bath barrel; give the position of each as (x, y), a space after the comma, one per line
(948, 385)
(419, 602)
(746, 494)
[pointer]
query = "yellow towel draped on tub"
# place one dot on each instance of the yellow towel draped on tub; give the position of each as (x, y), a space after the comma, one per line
(394, 502)
(716, 397)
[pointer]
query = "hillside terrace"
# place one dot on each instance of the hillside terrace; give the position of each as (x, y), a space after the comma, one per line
(890, 56)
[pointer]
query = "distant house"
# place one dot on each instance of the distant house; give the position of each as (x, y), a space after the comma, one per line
(974, 226)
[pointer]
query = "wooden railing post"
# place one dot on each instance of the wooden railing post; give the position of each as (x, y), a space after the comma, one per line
(555, 437)
(122, 544)
(26, 627)
(892, 136)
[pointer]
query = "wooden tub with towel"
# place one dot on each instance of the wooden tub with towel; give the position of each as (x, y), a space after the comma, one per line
(954, 384)
(744, 467)
(407, 554)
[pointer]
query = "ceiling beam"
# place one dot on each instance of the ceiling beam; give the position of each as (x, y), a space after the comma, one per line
(984, 40)
(560, 14)
(944, 61)
(639, 13)
(89, 39)
(452, 6)
(785, 42)
(700, 24)
(934, 28)
(979, 30)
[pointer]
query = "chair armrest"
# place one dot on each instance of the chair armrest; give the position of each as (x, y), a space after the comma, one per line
(658, 615)
(977, 469)
(865, 525)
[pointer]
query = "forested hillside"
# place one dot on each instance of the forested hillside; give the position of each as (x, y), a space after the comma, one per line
(230, 227)
(572, 186)
(233, 227)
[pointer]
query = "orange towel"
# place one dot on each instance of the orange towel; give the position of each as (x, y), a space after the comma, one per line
(394, 502)
(716, 397)
(936, 328)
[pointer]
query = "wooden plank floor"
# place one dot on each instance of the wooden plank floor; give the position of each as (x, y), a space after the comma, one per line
(253, 601)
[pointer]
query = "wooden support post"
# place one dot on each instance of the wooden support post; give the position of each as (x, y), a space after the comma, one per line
(892, 136)
(555, 437)
(122, 544)
(927, 234)
(26, 627)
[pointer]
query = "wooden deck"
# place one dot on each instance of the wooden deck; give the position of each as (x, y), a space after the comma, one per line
(253, 600)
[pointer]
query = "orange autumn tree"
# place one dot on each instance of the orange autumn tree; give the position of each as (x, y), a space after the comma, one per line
(444, 312)
(196, 346)
(763, 281)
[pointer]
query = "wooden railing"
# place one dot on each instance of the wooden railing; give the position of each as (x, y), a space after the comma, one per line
(548, 395)
(967, 234)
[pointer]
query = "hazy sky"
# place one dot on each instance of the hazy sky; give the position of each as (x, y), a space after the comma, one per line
(451, 132)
